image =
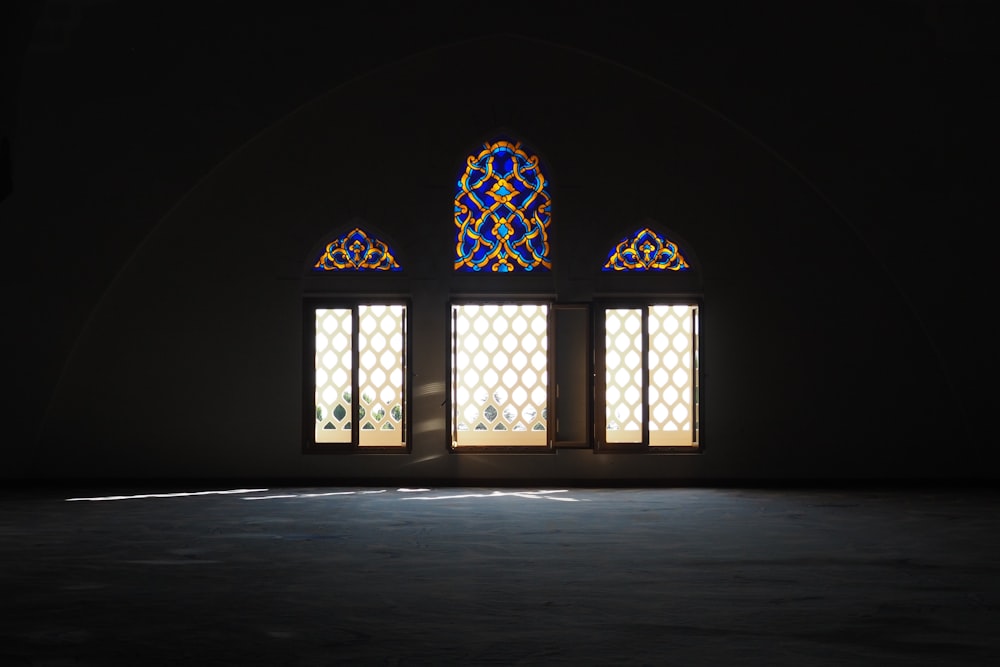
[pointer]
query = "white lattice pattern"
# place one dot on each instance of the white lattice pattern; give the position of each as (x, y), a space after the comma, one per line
(500, 374)
(333, 375)
(671, 374)
(623, 374)
(380, 374)
(380, 344)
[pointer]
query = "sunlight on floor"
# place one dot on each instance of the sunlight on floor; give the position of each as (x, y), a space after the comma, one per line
(534, 495)
(168, 495)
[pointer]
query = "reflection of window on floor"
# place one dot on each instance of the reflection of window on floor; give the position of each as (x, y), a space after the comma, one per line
(500, 374)
(651, 375)
(372, 339)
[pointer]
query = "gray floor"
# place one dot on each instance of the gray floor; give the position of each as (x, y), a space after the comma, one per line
(471, 576)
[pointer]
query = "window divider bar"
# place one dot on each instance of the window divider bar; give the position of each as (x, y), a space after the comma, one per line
(355, 382)
(645, 375)
(552, 377)
(404, 421)
(452, 391)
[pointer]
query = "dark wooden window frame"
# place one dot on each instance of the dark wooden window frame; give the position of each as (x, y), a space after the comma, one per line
(309, 444)
(643, 303)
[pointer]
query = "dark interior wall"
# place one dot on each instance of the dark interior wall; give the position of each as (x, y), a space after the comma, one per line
(114, 111)
(191, 365)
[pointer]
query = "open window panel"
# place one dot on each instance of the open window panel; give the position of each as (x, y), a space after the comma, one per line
(500, 388)
(573, 355)
(647, 377)
(360, 371)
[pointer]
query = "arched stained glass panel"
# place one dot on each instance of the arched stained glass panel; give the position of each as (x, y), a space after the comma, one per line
(357, 251)
(645, 251)
(502, 212)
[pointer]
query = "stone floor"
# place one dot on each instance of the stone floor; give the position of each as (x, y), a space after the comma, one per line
(473, 576)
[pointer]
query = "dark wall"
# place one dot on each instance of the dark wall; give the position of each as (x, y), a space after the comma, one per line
(816, 168)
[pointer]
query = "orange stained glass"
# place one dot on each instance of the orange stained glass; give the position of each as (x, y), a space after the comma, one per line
(502, 211)
(645, 251)
(357, 251)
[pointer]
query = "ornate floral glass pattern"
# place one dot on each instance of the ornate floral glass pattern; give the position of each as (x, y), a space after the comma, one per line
(357, 251)
(502, 212)
(646, 251)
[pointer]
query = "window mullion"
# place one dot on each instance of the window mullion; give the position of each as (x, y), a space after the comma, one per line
(405, 377)
(355, 383)
(453, 378)
(551, 379)
(600, 399)
(645, 376)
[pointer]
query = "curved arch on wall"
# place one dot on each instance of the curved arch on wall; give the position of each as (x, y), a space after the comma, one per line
(259, 137)
(201, 289)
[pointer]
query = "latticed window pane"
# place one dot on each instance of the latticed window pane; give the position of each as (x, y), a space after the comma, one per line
(672, 375)
(500, 374)
(623, 374)
(651, 366)
(333, 375)
(380, 374)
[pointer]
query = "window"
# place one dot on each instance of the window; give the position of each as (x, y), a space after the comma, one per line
(526, 371)
(357, 251)
(502, 212)
(500, 387)
(356, 355)
(645, 251)
(646, 361)
(359, 351)
(499, 375)
(648, 376)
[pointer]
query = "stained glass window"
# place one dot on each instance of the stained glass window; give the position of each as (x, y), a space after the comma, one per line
(502, 211)
(645, 251)
(357, 251)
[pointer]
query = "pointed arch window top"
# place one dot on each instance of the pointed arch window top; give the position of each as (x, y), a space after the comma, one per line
(502, 211)
(646, 251)
(357, 251)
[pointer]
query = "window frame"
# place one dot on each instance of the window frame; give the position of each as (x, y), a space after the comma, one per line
(353, 303)
(643, 304)
(550, 378)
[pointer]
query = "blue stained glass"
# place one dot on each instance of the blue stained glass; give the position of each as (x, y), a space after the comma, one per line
(646, 251)
(502, 212)
(357, 251)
